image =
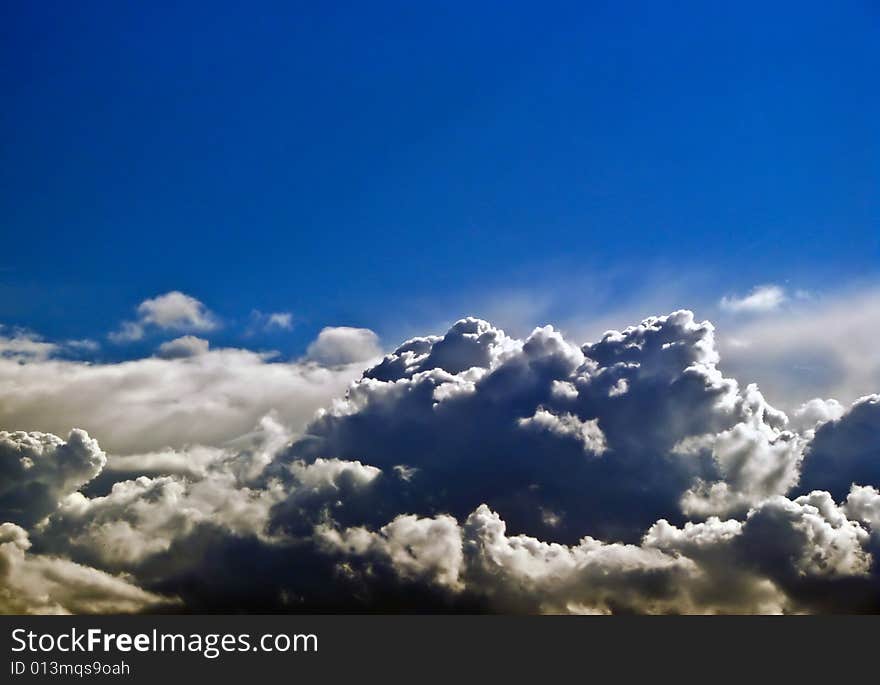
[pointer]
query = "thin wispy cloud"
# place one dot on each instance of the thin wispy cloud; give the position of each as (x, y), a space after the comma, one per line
(272, 322)
(825, 346)
(763, 298)
(280, 320)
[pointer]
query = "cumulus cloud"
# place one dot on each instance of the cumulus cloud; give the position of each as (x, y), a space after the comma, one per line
(755, 459)
(465, 471)
(717, 566)
(39, 584)
(586, 432)
(846, 450)
(539, 415)
(863, 504)
(341, 345)
(38, 469)
(172, 311)
(763, 298)
(185, 346)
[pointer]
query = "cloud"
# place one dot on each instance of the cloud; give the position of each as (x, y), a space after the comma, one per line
(417, 549)
(711, 567)
(547, 420)
(24, 346)
(39, 584)
(21, 345)
(38, 469)
(274, 321)
(466, 471)
(587, 432)
(185, 346)
(280, 320)
(755, 460)
(343, 345)
(172, 311)
(845, 450)
(763, 298)
(149, 404)
(863, 504)
(822, 347)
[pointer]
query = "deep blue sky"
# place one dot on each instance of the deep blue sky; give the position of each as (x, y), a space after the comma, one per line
(387, 164)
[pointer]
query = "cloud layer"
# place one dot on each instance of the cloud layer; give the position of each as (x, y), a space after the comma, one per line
(188, 394)
(467, 471)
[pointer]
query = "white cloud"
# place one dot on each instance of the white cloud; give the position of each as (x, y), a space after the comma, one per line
(281, 320)
(172, 311)
(824, 347)
(39, 584)
(25, 346)
(421, 549)
(863, 504)
(149, 404)
(261, 322)
(344, 345)
(38, 469)
(763, 298)
(22, 345)
(185, 346)
(587, 433)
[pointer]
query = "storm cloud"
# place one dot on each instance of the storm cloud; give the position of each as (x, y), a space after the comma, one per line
(464, 471)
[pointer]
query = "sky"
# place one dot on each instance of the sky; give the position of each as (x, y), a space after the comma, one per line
(396, 166)
(481, 307)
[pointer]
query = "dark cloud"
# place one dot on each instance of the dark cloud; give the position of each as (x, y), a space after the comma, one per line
(845, 451)
(38, 584)
(474, 471)
(527, 426)
(38, 469)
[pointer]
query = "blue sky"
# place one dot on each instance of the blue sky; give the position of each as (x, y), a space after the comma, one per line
(397, 165)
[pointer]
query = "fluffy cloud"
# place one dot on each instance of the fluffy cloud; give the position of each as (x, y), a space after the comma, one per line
(149, 404)
(553, 423)
(144, 517)
(863, 504)
(469, 471)
(172, 311)
(185, 346)
(710, 567)
(343, 345)
(755, 460)
(39, 584)
(587, 432)
(845, 450)
(38, 469)
(763, 298)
